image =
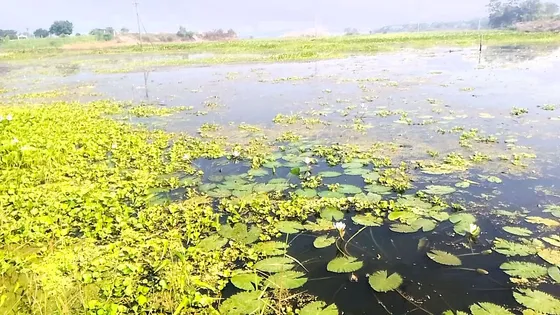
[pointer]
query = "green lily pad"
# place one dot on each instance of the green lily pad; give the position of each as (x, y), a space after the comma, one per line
(275, 264)
(329, 174)
(370, 177)
(367, 220)
(355, 171)
(553, 240)
(270, 248)
(550, 255)
(332, 213)
(273, 164)
(424, 224)
(259, 172)
(463, 184)
(246, 281)
(289, 227)
(239, 233)
(306, 193)
(211, 243)
(344, 264)
(538, 301)
(349, 189)
(331, 194)
(554, 273)
(439, 190)
(352, 165)
(444, 258)
(319, 225)
(250, 302)
(523, 269)
(287, 280)
(378, 189)
(515, 230)
(485, 308)
(509, 248)
(324, 241)
(380, 282)
(403, 228)
(319, 308)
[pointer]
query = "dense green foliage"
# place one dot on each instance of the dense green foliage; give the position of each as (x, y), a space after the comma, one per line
(60, 28)
(506, 13)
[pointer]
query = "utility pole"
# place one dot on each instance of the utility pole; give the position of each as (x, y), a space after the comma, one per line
(135, 3)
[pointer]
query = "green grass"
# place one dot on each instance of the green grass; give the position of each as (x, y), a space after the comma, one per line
(43, 43)
(293, 48)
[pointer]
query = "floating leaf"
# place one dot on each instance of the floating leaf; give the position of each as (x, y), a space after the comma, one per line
(319, 225)
(319, 308)
(553, 209)
(329, 174)
(553, 240)
(373, 198)
(494, 179)
(344, 264)
(422, 243)
(270, 248)
(367, 220)
(378, 189)
(239, 233)
(244, 303)
(522, 269)
(306, 193)
(356, 171)
(258, 172)
(295, 171)
(349, 189)
(462, 222)
(403, 228)
(246, 281)
(289, 227)
(275, 264)
(211, 243)
(554, 273)
(380, 282)
(424, 224)
(323, 241)
(449, 312)
(444, 258)
(331, 194)
(370, 177)
(510, 248)
(538, 301)
(543, 221)
(439, 190)
(332, 213)
(352, 165)
(286, 280)
(463, 184)
(219, 193)
(485, 308)
(519, 231)
(273, 164)
(403, 216)
(552, 256)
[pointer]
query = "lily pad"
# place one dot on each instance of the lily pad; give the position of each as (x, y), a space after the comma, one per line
(444, 258)
(257, 172)
(509, 248)
(332, 213)
(246, 281)
(275, 264)
(270, 248)
(519, 231)
(352, 165)
(494, 179)
(344, 264)
(554, 273)
(403, 228)
(485, 308)
(250, 302)
(424, 224)
(380, 282)
(319, 225)
(463, 184)
(378, 189)
(367, 220)
(356, 171)
(289, 227)
(287, 280)
(306, 193)
(439, 190)
(553, 240)
(324, 241)
(538, 301)
(329, 174)
(319, 308)
(239, 233)
(219, 193)
(542, 221)
(349, 189)
(523, 269)
(331, 194)
(552, 256)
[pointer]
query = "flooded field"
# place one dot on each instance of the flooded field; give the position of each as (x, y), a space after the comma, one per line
(419, 181)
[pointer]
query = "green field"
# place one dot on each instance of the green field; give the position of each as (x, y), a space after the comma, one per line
(287, 49)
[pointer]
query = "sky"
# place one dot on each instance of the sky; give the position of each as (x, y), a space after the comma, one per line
(246, 17)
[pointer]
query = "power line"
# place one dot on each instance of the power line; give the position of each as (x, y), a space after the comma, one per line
(138, 22)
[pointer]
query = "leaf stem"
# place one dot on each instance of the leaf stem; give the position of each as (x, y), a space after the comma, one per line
(355, 234)
(413, 303)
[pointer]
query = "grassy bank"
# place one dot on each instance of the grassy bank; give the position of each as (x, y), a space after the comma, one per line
(49, 43)
(300, 48)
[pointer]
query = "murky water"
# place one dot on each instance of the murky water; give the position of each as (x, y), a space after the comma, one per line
(417, 100)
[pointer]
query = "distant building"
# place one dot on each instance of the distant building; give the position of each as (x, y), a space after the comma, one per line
(21, 36)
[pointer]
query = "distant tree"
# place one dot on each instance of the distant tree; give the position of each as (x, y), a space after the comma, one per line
(350, 31)
(61, 28)
(551, 9)
(183, 33)
(8, 34)
(507, 13)
(78, 34)
(41, 33)
(124, 30)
